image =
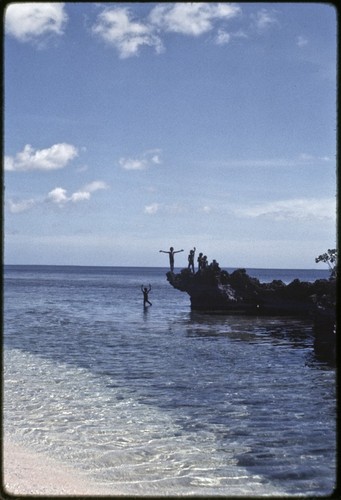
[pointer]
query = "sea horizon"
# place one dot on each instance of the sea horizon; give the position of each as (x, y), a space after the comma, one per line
(106, 266)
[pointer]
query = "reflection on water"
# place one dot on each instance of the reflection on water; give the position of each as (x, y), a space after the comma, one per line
(296, 332)
(293, 331)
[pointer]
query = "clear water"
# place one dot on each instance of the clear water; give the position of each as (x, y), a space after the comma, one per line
(162, 400)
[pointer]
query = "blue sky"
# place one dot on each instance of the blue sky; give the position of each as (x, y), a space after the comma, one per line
(130, 128)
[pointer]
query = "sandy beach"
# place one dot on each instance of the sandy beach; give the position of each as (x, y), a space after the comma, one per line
(27, 472)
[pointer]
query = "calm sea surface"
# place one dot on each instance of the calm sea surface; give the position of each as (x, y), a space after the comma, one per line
(162, 400)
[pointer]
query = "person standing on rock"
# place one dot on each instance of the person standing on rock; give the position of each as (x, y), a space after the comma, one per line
(171, 256)
(191, 259)
(200, 257)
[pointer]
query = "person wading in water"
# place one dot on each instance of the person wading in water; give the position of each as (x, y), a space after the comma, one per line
(145, 292)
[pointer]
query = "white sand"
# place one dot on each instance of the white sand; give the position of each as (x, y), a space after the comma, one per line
(26, 472)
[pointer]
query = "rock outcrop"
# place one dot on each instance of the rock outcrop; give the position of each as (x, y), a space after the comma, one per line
(216, 290)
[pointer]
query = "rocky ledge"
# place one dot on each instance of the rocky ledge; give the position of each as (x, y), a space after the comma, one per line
(216, 290)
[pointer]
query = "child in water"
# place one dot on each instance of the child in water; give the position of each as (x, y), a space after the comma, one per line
(145, 292)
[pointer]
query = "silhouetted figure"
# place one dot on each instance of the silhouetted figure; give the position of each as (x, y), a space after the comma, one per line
(171, 256)
(200, 257)
(204, 262)
(145, 292)
(191, 259)
(214, 265)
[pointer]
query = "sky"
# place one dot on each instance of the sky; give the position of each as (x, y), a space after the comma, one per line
(134, 127)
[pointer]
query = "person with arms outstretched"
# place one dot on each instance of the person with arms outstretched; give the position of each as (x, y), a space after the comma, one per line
(145, 292)
(171, 256)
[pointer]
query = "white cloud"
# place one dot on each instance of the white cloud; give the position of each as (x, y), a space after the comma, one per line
(85, 192)
(156, 160)
(191, 18)
(144, 161)
(31, 21)
(302, 160)
(80, 196)
(95, 186)
(151, 209)
(21, 206)
(53, 158)
(58, 195)
(265, 19)
(82, 168)
(308, 158)
(222, 37)
(295, 209)
(172, 209)
(175, 208)
(301, 41)
(132, 163)
(116, 27)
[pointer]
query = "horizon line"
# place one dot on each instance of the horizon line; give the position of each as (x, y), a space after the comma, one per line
(163, 267)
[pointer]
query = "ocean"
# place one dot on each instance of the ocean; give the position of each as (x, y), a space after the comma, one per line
(162, 400)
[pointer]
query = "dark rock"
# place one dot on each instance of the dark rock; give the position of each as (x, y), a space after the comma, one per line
(324, 328)
(215, 290)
